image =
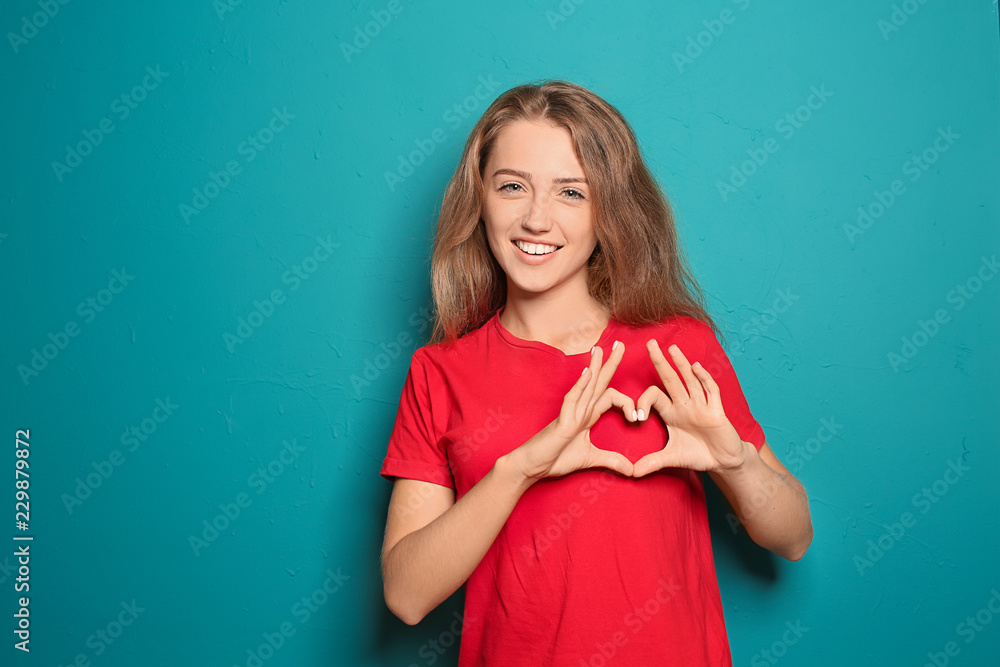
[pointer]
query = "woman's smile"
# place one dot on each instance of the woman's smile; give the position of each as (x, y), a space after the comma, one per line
(534, 253)
(537, 210)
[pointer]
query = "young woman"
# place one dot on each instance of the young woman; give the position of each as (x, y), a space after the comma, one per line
(549, 438)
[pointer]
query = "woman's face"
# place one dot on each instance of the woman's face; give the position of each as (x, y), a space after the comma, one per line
(538, 210)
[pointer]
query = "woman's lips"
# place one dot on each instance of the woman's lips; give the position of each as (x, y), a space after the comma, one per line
(533, 260)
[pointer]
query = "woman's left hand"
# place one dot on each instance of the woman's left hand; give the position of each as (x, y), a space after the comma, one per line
(700, 436)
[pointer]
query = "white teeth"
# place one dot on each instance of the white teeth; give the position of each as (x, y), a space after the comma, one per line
(536, 248)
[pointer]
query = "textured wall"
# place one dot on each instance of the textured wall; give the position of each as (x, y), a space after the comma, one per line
(215, 224)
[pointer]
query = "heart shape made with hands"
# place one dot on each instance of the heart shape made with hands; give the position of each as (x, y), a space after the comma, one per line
(700, 436)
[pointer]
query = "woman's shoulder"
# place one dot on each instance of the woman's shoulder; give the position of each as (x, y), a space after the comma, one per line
(456, 350)
(673, 326)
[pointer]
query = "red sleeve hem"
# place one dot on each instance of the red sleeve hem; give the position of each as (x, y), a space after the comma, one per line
(425, 472)
(756, 436)
(715, 358)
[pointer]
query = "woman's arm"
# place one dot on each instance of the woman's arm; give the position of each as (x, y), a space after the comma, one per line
(770, 502)
(432, 543)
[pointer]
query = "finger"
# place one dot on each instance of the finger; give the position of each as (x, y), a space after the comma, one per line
(695, 390)
(572, 397)
(671, 382)
(605, 459)
(593, 378)
(616, 398)
(609, 368)
(650, 463)
(653, 399)
(711, 388)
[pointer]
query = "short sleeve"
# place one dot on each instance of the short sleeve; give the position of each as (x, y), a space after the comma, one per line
(415, 447)
(717, 363)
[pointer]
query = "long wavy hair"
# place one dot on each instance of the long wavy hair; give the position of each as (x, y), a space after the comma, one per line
(637, 269)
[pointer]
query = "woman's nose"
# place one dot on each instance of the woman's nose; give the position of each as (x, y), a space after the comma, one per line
(537, 219)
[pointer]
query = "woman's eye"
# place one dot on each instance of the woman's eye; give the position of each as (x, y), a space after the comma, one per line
(516, 187)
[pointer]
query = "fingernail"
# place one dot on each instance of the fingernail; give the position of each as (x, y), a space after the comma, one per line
(585, 369)
(615, 346)
(592, 350)
(642, 415)
(634, 416)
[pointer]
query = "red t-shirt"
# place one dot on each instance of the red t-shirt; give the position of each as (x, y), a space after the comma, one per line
(591, 568)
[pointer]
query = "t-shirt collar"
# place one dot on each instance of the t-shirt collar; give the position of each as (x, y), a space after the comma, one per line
(605, 341)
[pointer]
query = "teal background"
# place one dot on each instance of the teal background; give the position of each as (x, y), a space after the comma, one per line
(301, 374)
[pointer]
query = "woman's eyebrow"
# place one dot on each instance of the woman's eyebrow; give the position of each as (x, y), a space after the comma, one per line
(526, 176)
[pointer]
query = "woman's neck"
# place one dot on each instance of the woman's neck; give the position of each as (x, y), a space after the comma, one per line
(571, 325)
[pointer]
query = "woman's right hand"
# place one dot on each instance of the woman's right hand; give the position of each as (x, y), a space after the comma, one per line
(564, 445)
(434, 542)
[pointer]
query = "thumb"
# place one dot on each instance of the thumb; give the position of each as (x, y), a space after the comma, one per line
(602, 458)
(654, 461)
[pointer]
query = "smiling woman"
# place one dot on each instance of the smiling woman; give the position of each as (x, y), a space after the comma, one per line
(540, 212)
(555, 249)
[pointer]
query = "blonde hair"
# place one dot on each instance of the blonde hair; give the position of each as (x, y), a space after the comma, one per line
(637, 269)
